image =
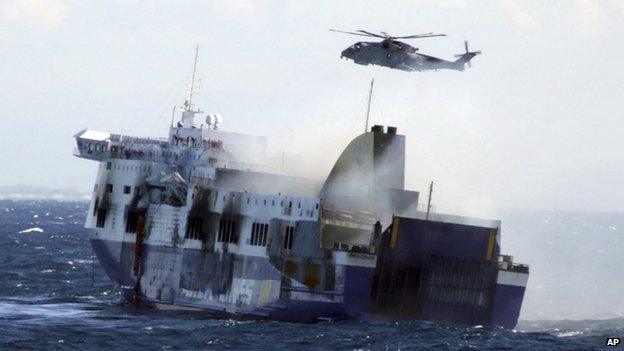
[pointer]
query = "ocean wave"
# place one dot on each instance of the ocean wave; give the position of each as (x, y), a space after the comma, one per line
(31, 230)
(60, 310)
(567, 334)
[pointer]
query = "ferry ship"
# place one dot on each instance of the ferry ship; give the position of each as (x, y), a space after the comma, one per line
(211, 220)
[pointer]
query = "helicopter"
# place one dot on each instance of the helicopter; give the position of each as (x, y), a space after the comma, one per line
(390, 52)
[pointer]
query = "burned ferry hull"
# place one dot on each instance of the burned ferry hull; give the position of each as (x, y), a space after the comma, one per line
(424, 269)
(173, 276)
(189, 221)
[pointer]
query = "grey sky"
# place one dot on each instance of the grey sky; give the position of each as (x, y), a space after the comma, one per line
(536, 123)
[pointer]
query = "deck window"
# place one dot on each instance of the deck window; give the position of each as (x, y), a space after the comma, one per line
(101, 218)
(227, 231)
(194, 228)
(131, 221)
(259, 233)
(289, 235)
(96, 205)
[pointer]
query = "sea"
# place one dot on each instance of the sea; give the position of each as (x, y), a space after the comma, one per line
(55, 296)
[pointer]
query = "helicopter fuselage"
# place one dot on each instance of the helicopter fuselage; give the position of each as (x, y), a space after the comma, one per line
(398, 55)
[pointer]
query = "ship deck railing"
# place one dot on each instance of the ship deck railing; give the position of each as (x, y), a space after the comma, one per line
(351, 246)
(513, 267)
(361, 219)
(118, 138)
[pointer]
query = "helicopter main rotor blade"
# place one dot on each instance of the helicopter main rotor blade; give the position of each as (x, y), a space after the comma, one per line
(372, 34)
(416, 36)
(385, 35)
(360, 34)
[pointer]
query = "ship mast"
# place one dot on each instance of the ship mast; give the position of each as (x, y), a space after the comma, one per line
(429, 200)
(188, 113)
(192, 87)
(370, 97)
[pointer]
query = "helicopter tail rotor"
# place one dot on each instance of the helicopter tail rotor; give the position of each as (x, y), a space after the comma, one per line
(467, 55)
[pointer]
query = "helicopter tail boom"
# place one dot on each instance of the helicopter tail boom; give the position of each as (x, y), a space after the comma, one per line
(463, 60)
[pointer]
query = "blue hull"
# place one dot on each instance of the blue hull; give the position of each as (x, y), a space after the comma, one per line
(507, 305)
(407, 282)
(111, 257)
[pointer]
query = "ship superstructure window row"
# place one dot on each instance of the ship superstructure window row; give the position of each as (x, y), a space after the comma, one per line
(144, 169)
(259, 232)
(289, 206)
(227, 231)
